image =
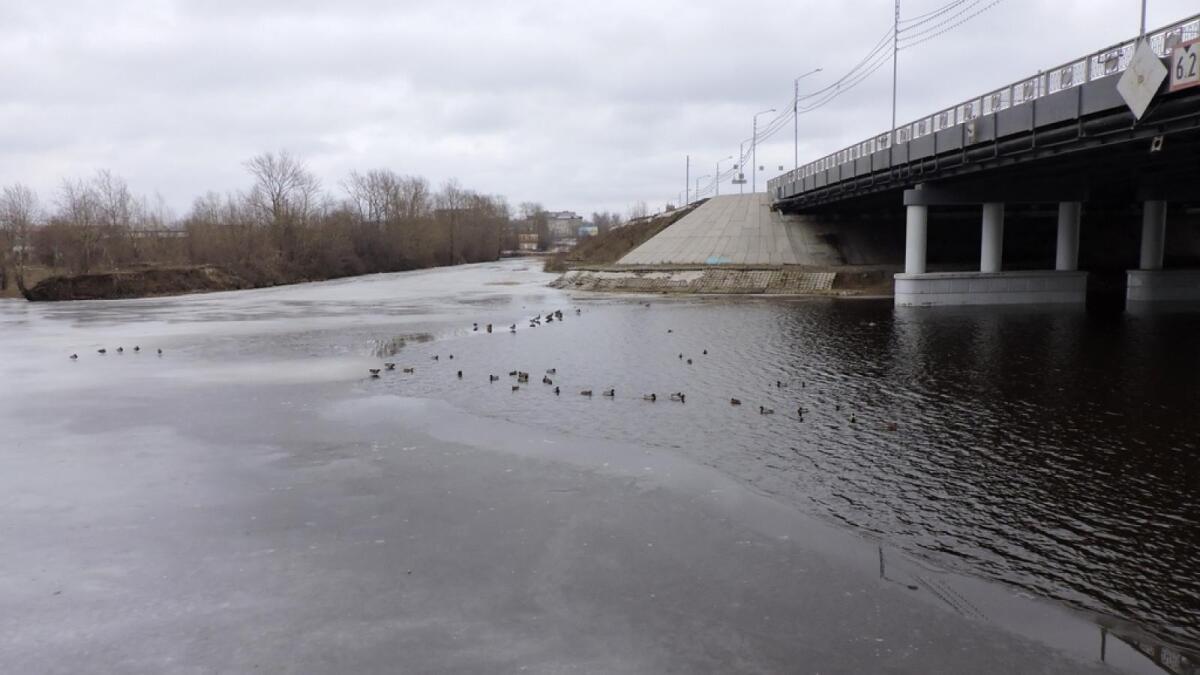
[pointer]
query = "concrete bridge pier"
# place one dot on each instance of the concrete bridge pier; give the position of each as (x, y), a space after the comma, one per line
(1150, 283)
(990, 285)
(1066, 257)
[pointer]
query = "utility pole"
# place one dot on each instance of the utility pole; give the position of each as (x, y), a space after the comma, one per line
(895, 68)
(754, 152)
(741, 167)
(687, 181)
(796, 117)
(717, 176)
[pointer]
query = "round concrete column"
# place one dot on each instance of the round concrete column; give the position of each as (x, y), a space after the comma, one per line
(1067, 258)
(992, 248)
(1154, 234)
(915, 239)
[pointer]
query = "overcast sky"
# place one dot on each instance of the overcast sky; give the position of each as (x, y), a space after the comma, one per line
(578, 105)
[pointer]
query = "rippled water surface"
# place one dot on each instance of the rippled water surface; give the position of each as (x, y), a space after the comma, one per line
(1050, 449)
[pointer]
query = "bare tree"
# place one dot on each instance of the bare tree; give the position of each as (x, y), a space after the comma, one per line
(18, 214)
(284, 189)
(638, 210)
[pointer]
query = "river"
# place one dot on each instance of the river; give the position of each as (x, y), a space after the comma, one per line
(1048, 450)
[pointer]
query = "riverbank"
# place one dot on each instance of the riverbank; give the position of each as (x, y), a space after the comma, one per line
(136, 283)
(729, 280)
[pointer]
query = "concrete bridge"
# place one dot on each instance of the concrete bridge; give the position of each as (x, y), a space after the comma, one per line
(1065, 138)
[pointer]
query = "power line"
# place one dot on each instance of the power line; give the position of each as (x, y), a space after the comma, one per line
(929, 16)
(927, 35)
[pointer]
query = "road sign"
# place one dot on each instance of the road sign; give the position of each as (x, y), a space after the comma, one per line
(1185, 66)
(1142, 79)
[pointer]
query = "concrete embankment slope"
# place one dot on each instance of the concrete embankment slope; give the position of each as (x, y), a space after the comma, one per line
(737, 244)
(736, 230)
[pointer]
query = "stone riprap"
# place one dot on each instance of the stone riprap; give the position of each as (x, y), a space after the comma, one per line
(712, 280)
(736, 230)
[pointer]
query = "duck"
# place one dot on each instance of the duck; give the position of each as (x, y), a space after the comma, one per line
(611, 393)
(374, 372)
(735, 401)
(853, 419)
(650, 397)
(513, 328)
(551, 371)
(475, 327)
(558, 313)
(493, 378)
(489, 328)
(522, 377)
(160, 352)
(689, 362)
(516, 387)
(137, 348)
(556, 391)
(547, 380)
(679, 396)
(101, 351)
(435, 357)
(389, 366)
(410, 371)
(512, 373)
(680, 356)
(765, 411)
(460, 374)
(586, 392)
(578, 311)
(705, 352)
(74, 357)
(451, 357)
(120, 350)
(779, 384)
(670, 331)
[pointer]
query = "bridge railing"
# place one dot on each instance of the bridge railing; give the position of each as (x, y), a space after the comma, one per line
(1103, 63)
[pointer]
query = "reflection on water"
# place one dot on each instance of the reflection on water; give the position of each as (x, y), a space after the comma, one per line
(1053, 450)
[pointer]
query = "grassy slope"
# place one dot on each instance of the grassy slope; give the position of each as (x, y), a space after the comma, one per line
(608, 248)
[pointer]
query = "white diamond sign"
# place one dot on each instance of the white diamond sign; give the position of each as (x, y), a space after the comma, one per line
(1142, 79)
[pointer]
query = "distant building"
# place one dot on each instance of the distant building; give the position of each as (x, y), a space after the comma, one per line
(588, 231)
(563, 224)
(527, 241)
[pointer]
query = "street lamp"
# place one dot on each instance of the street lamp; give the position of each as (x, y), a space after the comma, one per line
(796, 114)
(717, 177)
(754, 152)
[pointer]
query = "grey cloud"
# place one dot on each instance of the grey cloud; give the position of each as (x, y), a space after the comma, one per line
(577, 105)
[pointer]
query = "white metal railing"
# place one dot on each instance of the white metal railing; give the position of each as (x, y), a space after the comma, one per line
(1106, 62)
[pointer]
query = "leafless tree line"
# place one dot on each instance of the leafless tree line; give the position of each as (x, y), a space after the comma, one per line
(284, 228)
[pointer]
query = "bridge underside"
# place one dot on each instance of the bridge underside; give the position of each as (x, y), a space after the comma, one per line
(1091, 174)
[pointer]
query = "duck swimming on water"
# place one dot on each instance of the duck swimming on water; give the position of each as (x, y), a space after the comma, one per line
(374, 372)
(610, 393)
(650, 397)
(765, 411)
(389, 366)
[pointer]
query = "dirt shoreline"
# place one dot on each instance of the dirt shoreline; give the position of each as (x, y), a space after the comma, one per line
(141, 283)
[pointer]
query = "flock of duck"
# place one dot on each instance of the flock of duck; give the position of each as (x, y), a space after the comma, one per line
(120, 350)
(522, 377)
